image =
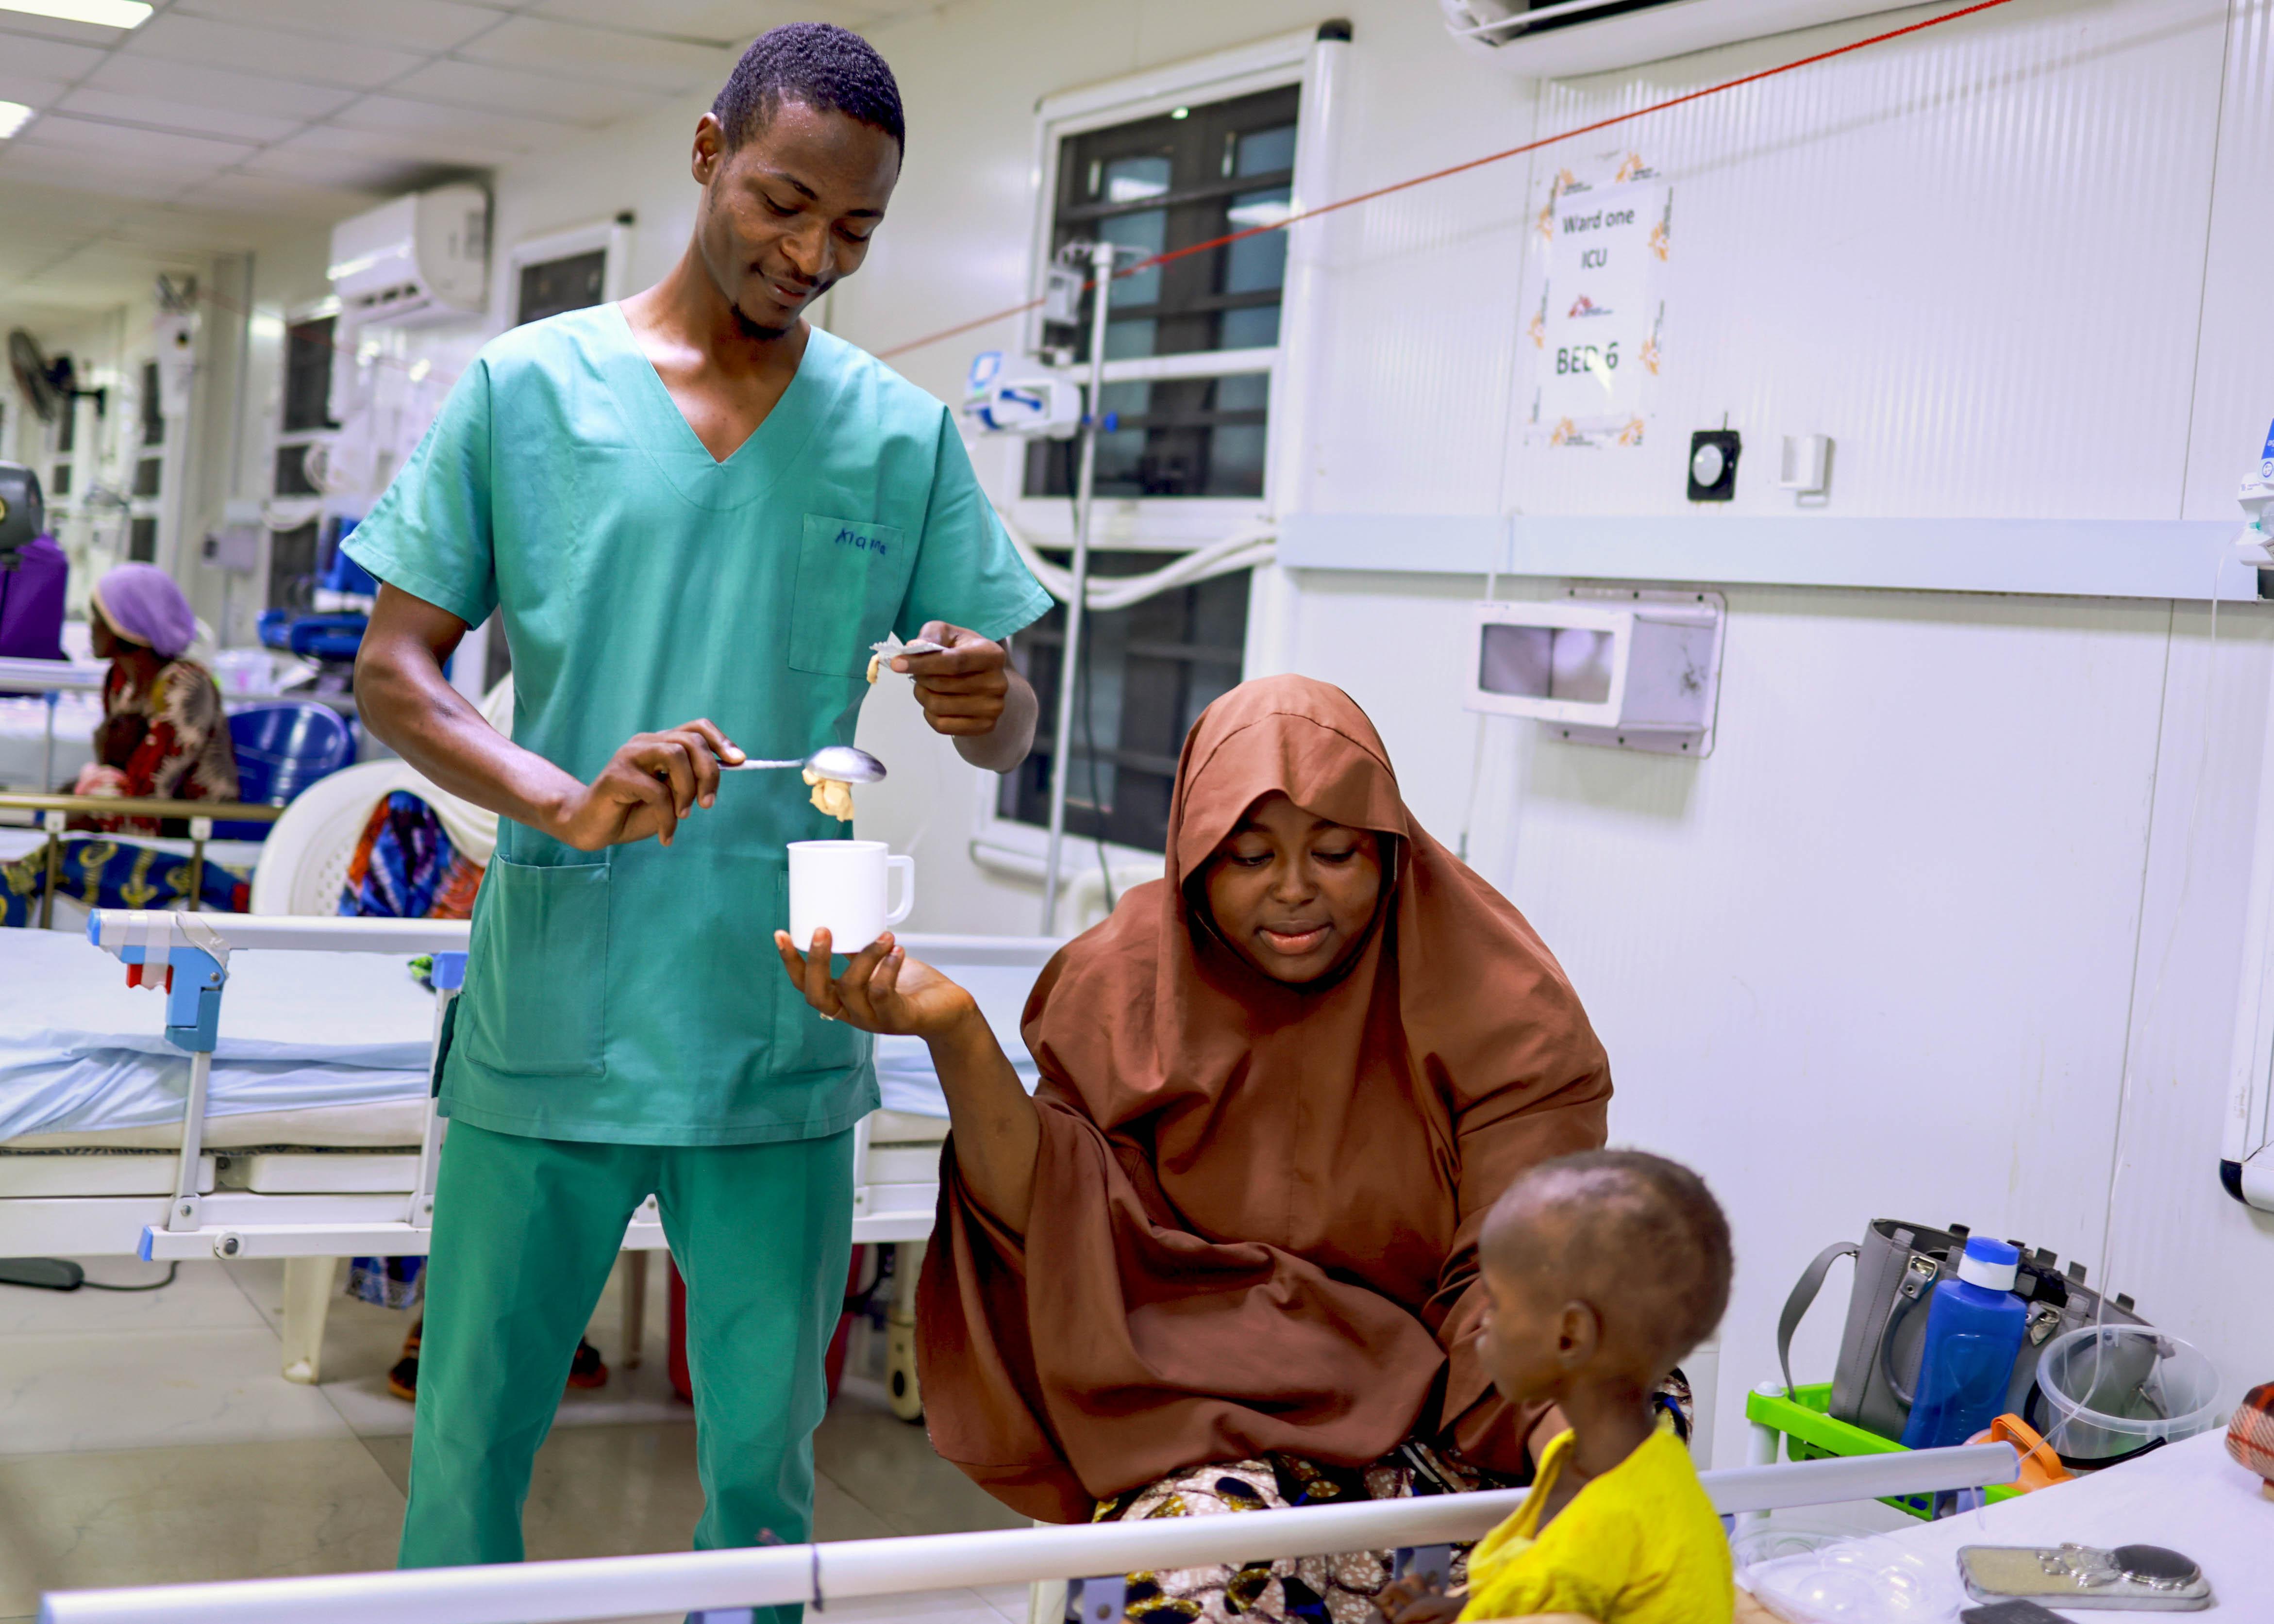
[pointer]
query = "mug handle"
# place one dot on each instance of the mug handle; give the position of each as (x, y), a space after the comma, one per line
(905, 866)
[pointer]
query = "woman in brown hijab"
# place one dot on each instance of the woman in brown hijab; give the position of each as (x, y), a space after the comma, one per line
(1225, 1257)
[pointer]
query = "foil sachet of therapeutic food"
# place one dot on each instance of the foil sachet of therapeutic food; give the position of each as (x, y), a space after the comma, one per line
(893, 648)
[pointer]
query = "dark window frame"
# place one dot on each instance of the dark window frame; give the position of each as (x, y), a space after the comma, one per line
(1200, 144)
(1176, 651)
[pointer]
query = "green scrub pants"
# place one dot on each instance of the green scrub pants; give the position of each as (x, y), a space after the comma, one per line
(525, 1232)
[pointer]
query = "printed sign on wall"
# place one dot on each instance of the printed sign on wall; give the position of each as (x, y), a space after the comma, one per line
(1597, 326)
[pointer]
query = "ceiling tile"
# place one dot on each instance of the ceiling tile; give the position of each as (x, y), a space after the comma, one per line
(171, 81)
(72, 167)
(224, 122)
(275, 194)
(44, 58)
(405, 25)
(416, 146)
(467, 83)
(345, 171)
(304, 57)
(604, 54)
(29, 92)
(144, 148)
(58, 31)
(725, 22)
(458, 125)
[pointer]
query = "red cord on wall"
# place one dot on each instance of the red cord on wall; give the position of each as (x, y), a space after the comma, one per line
(1460, 168)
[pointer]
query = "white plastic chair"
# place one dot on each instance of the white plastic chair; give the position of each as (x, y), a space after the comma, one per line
(304, 863)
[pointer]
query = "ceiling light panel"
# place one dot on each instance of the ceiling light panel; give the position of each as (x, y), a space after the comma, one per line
(13, 116)
(120, 14)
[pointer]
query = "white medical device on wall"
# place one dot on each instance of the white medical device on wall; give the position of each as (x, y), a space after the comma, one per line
(1637, 670)
(1041, 404)
(425, 256)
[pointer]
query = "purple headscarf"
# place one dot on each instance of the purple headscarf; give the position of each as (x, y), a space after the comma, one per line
(142, 604)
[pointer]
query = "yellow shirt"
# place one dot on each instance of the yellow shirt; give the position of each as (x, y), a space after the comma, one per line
(1640, 1544)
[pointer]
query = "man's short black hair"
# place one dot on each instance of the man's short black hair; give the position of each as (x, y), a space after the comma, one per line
(828, 68)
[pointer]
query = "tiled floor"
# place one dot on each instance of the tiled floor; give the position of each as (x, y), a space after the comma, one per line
(150, 1439)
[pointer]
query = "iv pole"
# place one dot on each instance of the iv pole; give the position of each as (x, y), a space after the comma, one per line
(1100, 263)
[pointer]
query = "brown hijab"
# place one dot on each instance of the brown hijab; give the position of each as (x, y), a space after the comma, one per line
(1256, 1206)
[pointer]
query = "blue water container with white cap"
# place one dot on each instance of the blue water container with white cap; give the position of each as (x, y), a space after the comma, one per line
(1974, 1330)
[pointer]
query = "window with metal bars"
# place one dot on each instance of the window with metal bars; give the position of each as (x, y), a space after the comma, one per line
(1155, 186)
(1148, 672)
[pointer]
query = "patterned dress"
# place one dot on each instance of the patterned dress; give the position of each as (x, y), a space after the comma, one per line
(1305, 1589)
(184, 753)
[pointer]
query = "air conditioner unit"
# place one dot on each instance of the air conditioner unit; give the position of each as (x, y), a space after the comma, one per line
(422, 258)
(1563, 39)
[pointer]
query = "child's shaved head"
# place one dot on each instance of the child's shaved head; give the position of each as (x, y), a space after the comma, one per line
(1638, 1237)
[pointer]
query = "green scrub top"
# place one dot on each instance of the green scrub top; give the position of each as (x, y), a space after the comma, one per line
(633, 996)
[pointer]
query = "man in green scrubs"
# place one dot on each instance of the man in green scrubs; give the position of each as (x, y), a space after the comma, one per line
(690, 505)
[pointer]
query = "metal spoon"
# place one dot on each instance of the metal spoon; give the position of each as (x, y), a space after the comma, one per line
(841, 762)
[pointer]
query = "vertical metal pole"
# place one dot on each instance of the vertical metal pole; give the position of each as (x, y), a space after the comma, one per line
(55, 821)
(1100, 261)
(201, 831)
(183, 1215)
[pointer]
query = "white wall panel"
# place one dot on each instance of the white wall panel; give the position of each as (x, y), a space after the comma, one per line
(2234, 379)
(1972, 256)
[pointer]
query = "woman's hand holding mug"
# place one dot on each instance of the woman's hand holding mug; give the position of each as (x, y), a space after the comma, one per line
(881, 990)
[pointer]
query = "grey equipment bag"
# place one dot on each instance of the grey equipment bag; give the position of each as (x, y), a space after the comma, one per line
(1897, 1267)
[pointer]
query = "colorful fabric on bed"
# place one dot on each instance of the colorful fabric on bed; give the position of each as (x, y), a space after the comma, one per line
(107, 873)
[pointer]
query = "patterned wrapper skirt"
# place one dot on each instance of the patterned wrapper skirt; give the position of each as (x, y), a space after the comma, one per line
(1311, 1590)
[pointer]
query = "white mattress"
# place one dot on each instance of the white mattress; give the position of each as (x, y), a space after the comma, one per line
(324, 1049)
(309, 1041)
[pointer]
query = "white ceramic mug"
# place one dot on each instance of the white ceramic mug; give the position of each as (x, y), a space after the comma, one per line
(839, 886)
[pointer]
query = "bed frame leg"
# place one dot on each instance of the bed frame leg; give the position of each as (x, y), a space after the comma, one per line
(307, 1302)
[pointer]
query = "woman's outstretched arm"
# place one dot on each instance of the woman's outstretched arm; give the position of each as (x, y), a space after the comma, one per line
(883, 990)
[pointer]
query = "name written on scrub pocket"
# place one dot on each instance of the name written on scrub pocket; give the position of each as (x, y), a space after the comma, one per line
(851, 576)
(864, 540)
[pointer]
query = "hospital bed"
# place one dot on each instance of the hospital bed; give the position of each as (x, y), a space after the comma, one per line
(274, 1100)
(721, 1587)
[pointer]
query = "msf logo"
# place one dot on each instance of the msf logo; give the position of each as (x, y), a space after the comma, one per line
(1584, 306)
(847, 537)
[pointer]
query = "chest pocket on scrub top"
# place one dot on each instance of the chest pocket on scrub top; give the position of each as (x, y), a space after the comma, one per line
(536, 973)
(851, 577)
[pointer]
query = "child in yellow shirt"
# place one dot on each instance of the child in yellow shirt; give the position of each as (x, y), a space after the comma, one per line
(1601, 1270)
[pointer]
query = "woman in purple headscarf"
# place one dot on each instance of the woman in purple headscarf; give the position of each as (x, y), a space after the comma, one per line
(163, 734)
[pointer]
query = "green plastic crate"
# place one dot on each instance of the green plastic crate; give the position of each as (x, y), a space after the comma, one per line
(1810, 1434)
